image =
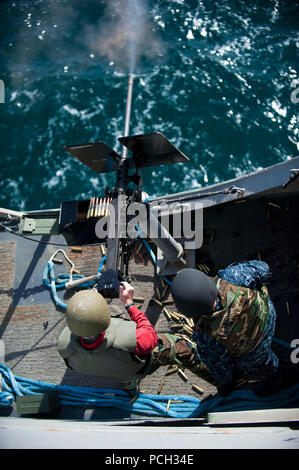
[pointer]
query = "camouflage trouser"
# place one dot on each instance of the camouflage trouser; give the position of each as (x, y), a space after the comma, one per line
(261, 363)
(175, 350)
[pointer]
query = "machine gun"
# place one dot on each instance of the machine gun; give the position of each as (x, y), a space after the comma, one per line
(147, 150)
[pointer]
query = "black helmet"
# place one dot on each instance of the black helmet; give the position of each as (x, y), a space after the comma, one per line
(194, 293)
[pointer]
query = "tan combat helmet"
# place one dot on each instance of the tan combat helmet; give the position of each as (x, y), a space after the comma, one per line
(87, 313)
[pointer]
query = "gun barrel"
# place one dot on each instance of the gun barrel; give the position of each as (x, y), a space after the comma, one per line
(124, 152)
(109, 282)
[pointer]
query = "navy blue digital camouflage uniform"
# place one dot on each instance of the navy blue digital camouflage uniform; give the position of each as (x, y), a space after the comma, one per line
(261, 363)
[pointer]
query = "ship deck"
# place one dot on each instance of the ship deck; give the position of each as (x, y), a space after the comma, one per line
(261, 225)
(31, 322)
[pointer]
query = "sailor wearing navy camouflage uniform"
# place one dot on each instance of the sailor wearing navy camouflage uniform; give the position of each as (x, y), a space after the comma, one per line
(235, 324)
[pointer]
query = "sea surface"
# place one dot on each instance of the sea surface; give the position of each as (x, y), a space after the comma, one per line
(218, 78)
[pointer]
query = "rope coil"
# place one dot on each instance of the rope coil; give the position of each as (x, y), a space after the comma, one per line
(181, 406)
(59, 282)
(153, 405)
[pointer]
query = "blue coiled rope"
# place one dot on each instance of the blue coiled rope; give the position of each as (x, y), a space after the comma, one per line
(153, 405)
(180, 406)
(59, 282)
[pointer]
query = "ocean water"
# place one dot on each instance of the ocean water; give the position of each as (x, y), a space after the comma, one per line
(218, 78)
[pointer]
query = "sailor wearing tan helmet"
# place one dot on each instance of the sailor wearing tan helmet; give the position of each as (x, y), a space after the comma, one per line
(125, 350)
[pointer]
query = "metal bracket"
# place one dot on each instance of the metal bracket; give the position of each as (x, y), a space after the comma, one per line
(294, 175)
(29, 225)
(169, 268)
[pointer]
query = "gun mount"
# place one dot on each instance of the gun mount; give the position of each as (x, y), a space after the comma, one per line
(78, 220)
(147, 150)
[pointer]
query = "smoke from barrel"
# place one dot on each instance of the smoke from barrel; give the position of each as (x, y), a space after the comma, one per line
(126, 35)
